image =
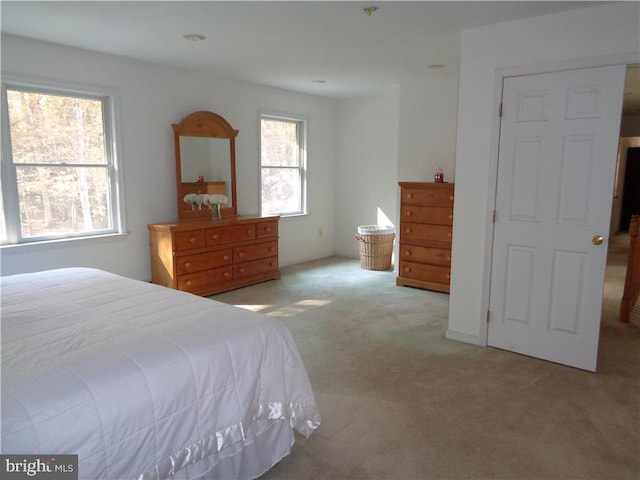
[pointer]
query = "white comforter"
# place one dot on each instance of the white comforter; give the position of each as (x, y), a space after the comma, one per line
(139, 380)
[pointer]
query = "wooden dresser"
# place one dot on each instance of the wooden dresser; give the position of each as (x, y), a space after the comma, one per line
(207, 257)
(426, 228)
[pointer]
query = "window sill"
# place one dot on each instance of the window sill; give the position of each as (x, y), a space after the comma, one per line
(291, 215)
(61, 242)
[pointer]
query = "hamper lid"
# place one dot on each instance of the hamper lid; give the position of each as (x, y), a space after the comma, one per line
(376, 229)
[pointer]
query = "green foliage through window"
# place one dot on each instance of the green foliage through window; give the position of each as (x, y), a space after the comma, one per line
(282, 165)
(61, 174)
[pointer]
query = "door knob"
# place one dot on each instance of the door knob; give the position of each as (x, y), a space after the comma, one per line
(597, 240)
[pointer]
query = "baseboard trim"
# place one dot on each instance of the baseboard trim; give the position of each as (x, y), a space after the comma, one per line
(463, 337)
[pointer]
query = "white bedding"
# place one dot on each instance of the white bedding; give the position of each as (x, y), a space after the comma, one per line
(146, 382)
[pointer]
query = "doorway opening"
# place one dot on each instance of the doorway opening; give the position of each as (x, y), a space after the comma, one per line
(626, 198)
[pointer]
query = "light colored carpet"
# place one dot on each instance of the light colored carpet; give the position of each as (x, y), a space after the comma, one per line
(399, 401)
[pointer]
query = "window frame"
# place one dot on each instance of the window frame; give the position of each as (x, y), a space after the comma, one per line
(10, 224)
(302, 126)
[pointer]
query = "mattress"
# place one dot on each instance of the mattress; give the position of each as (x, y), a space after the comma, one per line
(141, 381)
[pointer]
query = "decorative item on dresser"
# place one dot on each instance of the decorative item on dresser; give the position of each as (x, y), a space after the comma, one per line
(202, 253)
(426, 227)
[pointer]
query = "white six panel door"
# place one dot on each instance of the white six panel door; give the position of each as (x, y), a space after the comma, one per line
(558, 144)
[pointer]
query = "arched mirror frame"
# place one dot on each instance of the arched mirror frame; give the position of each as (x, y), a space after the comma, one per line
(210, 125)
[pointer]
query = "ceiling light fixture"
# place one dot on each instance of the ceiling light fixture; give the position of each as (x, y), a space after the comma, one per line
(194, 37)
(318, 82)
(369, 10)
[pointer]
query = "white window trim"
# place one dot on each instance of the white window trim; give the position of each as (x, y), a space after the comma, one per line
(111, 112)
(293, 117)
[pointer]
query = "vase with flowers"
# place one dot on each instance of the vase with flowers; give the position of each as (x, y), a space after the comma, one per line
(215, 202)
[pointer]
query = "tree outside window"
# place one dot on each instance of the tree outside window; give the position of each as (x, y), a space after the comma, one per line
(60, 178)
(282, 160)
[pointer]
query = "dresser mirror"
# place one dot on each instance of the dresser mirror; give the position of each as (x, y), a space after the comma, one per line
(205, 164)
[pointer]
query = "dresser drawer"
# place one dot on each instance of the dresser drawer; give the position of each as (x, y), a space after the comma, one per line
(235, 233)
(264, 265)
(432, 215)
(189, 239)
(436, 197)
(428, 255)
(203, 261)
(426, 273)
(435, 235)
(266, 229)
(254, 252)
(192, 282)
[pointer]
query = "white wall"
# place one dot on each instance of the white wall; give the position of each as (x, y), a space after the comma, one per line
(427, 130)
(401, 136)
(593, 34)
(153, 97)
(366, 169)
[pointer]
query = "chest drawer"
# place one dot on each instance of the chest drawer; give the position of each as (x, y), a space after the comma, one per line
(440, 197)
(266, 229)
(203, 261)
(434, 235)
(432, 215)
(235, 233)
(254, 252)
(433, 256)
(190, 239)
(192, 282)
(425, 273)
(264, 265)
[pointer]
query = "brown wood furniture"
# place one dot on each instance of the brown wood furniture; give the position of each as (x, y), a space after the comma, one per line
(214, 127)
(426, 229)
(198, 254)
(632, 279)
(207, 257)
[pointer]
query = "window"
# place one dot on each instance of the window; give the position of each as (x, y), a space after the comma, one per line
(59, 175)
(282, 165)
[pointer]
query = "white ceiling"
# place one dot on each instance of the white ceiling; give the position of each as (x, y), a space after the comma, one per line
(285, 44)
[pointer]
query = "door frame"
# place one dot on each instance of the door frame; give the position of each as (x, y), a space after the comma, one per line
(500, 75)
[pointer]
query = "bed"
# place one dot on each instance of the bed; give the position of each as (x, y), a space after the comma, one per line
(141, 381)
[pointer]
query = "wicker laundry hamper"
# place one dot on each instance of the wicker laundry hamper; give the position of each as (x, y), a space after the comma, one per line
(376, 246)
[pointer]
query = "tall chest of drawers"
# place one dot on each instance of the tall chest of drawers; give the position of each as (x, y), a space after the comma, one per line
(207, 257)
(426, 229)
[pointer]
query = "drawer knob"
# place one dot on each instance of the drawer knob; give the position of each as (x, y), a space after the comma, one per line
(448, 276)
(188, 283)
(449, 257)
(241, 254)
(451, 197)
(449, 234)
(408, 253)
(187, 264)
(409, 195)
(225, 257)
(409, 213)
(192, 240)
(249, 232)
(407, 269)
(226, 274)
(271, 249)
(268, 229)
(450, 217)
(215, 236)
(408, 230)
(241, 270)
